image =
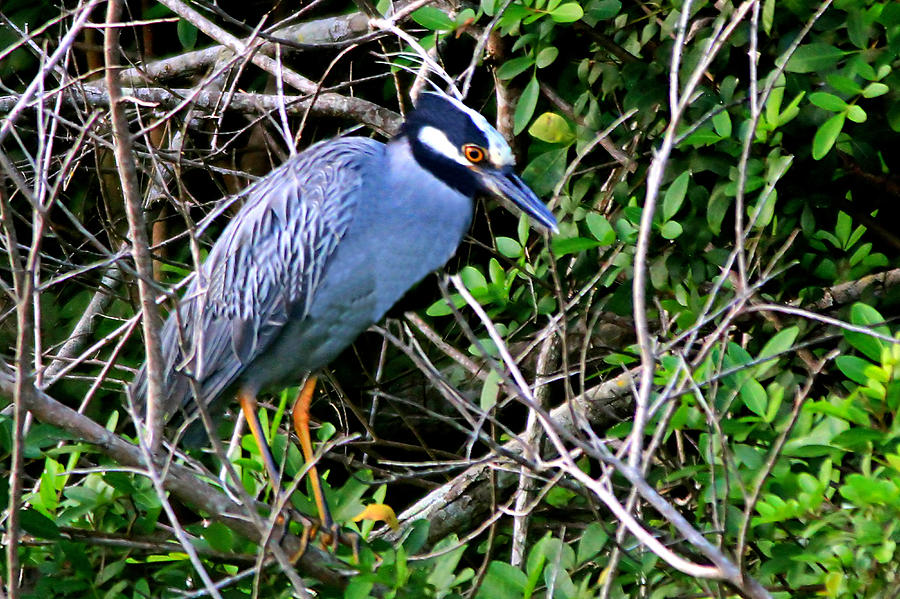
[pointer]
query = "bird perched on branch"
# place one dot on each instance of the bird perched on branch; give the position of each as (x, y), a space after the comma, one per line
(323, 246)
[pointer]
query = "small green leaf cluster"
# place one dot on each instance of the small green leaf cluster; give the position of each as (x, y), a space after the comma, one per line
(552, 565)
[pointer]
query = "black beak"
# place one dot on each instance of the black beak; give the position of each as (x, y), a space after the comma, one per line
(508, 187)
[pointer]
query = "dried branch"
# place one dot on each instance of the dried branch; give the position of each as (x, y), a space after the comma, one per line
(23, 285)
(460, 501)
(84, 328)
(852, 291)
(240, 47)
(137, 229)
(65, 44)
(337, 32)
(327, 104)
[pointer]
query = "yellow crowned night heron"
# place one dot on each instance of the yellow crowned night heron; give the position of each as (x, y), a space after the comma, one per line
(323, 246)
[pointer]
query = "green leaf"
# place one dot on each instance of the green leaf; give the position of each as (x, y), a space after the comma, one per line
(545, 171)
(858, 31)
(754, 396)
(791, 111)
(465, 17)
(675, 195)
(775, 393)
(536, 563)
(860, 254)
(780, 343)
(514, 66)
(47, 494)
(862, 68)
(722, 123)
(502, 581)
(554, 550)
(489, 7)
(508, 246)
(702, 137)
(187, 34)
(489, 390)
(604, 9)
(110, 571)
(716, 209)
(567, 13)
(546, 57)
(773, 103)
(444, 574)
(748, 456)
(37, 524)
(593, 539)
(473, 278)
(843, 228)
(115, 591)
(527, 104)
(844, 85)
(856, 114)
(572, 245)
(768, 15)
(814, 57)
(873, 90)
(552, 128)
(854, 368)
(433, 19)
(219, 537)
(497, 274)
(862, 490)
(358, 588)
(827, 101)
(441, 308)
(671, 230)
(600, 228)
(326, 431)
(893, 116)
(826, 135)
(418, 536)
(866, 316)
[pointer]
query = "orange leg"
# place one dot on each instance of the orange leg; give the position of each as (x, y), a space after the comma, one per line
(248, 405)
(301, 426)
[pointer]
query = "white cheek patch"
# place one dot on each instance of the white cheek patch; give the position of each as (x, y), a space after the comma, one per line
(440, 143)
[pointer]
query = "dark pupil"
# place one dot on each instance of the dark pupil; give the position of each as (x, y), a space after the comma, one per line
(474, 154)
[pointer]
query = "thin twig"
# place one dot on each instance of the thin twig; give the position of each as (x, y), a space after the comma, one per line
(62, 49)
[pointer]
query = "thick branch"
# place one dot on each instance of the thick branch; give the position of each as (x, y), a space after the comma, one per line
(326, 32)
(240, 47)
(334, 105)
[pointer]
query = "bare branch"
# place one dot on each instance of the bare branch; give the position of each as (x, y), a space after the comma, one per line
(137, 230)
(327, 104)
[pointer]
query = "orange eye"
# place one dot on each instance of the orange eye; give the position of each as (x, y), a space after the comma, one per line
(473, 153)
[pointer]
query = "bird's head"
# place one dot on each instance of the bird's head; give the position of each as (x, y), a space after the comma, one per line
(458, 146)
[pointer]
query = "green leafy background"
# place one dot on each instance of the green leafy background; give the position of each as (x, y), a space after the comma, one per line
(781, 442)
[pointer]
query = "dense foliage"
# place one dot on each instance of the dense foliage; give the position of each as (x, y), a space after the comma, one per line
(728, 429)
